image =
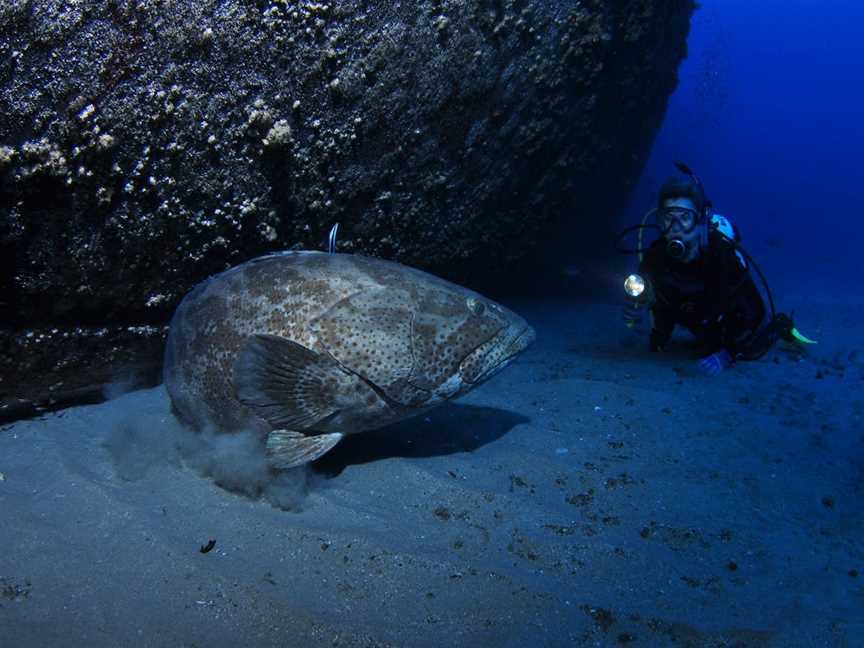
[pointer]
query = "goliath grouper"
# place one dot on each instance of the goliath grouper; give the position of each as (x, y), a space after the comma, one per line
(306, 347)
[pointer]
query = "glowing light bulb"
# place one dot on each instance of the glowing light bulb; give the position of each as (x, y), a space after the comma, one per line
(634, 285)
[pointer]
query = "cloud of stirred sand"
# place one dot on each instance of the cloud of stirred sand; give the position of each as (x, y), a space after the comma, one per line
(234, 461)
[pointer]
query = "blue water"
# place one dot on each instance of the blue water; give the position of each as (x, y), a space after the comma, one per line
(768, 113)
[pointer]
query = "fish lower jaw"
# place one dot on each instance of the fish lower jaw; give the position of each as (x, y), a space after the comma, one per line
(449, 388)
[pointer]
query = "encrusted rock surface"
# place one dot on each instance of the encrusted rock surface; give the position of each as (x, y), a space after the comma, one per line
(147, 144)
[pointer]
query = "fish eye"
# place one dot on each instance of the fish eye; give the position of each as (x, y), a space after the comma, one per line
(475, 306)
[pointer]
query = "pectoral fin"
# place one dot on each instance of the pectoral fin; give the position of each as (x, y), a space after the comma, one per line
(288, 449)
(289, 385)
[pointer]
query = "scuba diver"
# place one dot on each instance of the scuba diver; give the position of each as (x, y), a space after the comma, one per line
(697, 275)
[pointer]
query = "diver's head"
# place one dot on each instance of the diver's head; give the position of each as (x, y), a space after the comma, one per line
(681, 215)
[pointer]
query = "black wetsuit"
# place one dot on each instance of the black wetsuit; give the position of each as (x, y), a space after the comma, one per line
(714, 297)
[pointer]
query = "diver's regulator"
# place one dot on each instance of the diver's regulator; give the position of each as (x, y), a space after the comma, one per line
(676, 248)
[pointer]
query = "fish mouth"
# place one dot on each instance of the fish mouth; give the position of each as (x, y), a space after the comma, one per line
(527, 336)
(513, 339)
(524, 338)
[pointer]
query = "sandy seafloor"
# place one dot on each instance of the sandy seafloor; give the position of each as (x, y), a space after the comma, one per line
(591, 494)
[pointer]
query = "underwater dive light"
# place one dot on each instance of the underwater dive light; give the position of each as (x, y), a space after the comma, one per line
(634, 286)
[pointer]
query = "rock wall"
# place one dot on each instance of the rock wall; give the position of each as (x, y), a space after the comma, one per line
(147, 144)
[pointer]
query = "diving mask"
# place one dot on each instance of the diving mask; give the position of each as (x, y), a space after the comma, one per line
(685, 218)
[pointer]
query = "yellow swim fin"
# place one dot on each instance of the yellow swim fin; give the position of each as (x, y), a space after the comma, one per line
(801, 338)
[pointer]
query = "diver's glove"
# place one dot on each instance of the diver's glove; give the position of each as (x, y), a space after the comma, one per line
(715, 363)
(632, 315)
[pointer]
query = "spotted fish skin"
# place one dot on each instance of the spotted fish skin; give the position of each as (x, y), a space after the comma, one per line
(312, 344)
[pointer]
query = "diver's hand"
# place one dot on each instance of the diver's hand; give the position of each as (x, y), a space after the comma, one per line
(632, 315)
(656, 341)
(715, 363)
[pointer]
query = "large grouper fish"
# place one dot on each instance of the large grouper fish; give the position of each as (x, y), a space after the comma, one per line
(303, 348)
